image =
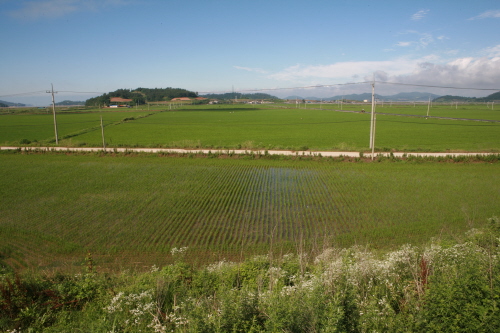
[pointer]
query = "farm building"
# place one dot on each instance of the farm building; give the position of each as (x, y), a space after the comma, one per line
(181, 99)
(115, 102)
(184, 99)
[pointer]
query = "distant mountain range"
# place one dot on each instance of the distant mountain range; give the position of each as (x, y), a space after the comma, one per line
(67, 102)
(5, 104)
(412, 96)
(448, 98)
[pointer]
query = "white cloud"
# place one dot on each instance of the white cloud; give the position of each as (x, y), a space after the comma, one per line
(343, 70)
(248, 69)
(487, 14)
(57, 8)
(492, 51)
(479, 72)
(420, 14)
(422, 41)
(472, 72)
(425, 39)
(404, 44)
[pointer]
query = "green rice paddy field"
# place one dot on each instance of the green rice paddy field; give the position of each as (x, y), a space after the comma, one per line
(132, 209)
(264, 127)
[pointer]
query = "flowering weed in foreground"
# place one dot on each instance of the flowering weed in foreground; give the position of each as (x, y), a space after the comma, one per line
(440, 287)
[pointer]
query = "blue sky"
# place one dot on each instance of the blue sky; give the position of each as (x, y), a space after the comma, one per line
(220, 45)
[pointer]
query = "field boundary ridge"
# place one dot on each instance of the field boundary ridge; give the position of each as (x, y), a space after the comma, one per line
(248, 151)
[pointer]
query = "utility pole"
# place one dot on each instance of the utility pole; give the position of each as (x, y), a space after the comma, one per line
(54, 111)
(102, 133)
(372, 123)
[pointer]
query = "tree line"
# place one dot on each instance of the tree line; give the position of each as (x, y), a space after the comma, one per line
(140, 96)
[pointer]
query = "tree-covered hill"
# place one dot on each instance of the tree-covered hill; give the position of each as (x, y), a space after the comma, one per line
(141, 95)
(5, 104)
(164, 94)
(449, 98)
(493, 97)
(453, 98)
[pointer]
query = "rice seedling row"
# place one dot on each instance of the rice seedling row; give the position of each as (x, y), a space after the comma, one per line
(145, 205)
(231, 208)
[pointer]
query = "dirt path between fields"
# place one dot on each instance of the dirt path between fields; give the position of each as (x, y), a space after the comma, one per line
(247, 151)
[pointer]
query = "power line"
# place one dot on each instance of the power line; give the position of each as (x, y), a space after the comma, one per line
(277, 89)
(43, 91)
(82, 92)
(24, 94)
(291, 88)
(431, 86)
(354, 83)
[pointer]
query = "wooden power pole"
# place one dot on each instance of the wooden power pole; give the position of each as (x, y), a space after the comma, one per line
(54, 111)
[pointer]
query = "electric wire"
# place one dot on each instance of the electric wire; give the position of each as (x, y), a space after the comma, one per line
(278, 89)
(431, 86)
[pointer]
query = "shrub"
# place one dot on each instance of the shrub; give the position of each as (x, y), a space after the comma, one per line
(463, 291)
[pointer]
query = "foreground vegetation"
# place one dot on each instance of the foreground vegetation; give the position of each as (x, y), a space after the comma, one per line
(251, 243)
(438, 287)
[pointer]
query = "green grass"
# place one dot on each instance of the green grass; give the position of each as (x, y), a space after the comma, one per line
(467, 111)
(264, 127)
(240, 128)
(135, 208)
(420, 134)
(39, 128)
(299, 129)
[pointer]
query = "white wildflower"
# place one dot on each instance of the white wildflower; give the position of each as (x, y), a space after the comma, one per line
(178, 251)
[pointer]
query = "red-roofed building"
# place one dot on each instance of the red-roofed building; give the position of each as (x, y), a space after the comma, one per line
(119, 100)
(115, 102)
(181, 99)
